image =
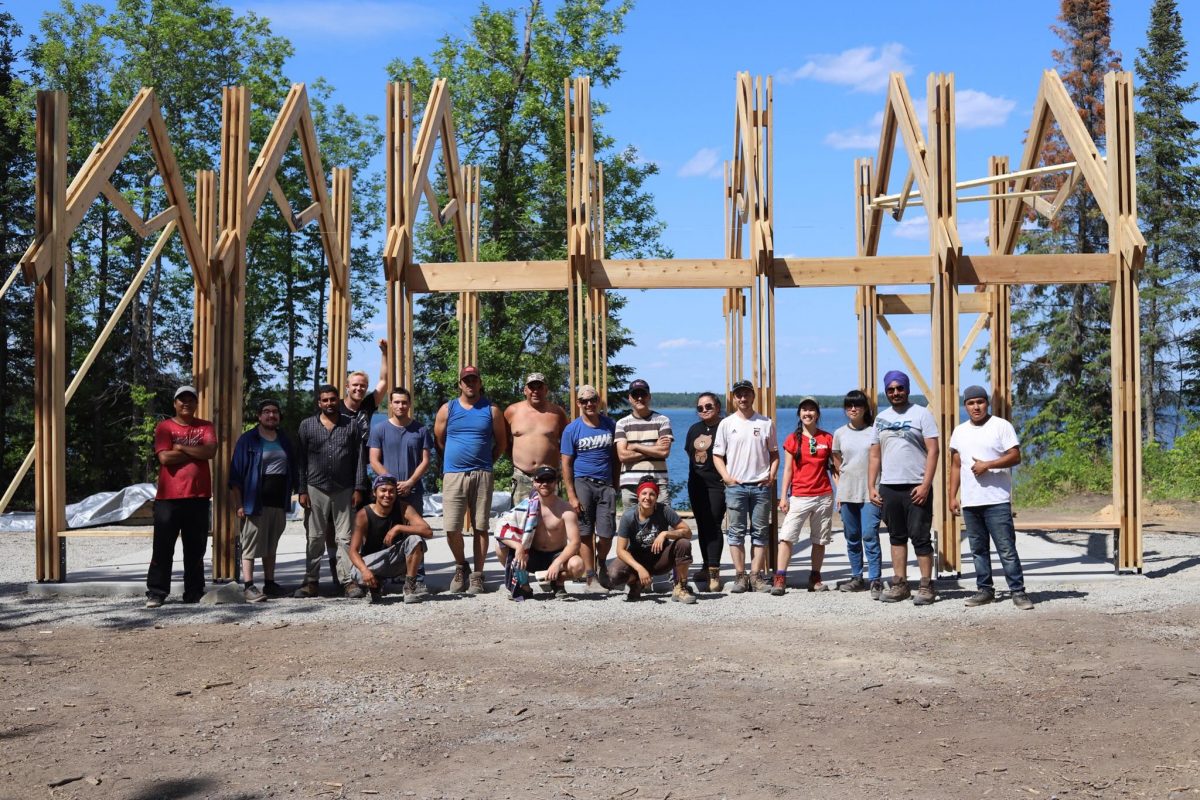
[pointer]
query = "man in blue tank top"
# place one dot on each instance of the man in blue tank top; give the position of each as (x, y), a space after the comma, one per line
(471, 434)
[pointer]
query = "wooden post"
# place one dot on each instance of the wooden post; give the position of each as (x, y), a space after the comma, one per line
(1000, 301)
(864, 298)
(1124, 238)
(400, 219)
(203, 310)
(941, 207)
(339, 277)
(50, 336)
(229, 288)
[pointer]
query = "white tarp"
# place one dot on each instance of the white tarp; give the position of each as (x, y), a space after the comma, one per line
(104, 508)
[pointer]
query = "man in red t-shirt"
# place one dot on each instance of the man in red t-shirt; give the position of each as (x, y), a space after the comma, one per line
(183, 445)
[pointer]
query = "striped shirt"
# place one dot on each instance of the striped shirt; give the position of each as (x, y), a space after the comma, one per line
(637, 430)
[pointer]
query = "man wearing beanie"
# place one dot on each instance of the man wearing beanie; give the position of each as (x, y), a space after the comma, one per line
(983, 451)
(901, 467)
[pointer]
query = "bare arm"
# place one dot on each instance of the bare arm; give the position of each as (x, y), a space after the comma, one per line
(414, 525)
(200, 452)
(171, 458)
(356, 543)
(439, 426)
(624, 555)
(568, 479)
(660, 449)
(787, 480)
(1010, 458)
(382, 387)
(499, 434)
(955, 480)
(508, 435)
(719, 463)
(920, 493)
(873, 475)
(376, 455)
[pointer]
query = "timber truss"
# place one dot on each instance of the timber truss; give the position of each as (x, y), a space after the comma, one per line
(215, 244)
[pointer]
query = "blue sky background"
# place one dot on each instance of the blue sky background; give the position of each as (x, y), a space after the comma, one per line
(675, 103)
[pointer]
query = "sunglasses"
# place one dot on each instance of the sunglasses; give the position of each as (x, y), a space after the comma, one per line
(705, 407)
(544, 480)
(895, 390)
(812, 445)
(639, 395)
(587, 401)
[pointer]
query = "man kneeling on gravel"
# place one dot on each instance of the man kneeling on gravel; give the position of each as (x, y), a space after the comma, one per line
(388, 541)
(652, 540)
(554, 545)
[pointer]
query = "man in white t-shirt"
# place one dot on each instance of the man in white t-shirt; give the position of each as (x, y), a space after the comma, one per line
(983, 450)
(746, 455)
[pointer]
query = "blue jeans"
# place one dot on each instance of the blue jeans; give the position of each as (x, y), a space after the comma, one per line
(995, 521)
(860, 521)
(744, 501)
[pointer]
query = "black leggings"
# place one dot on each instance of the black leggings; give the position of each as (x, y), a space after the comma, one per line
(708, 504)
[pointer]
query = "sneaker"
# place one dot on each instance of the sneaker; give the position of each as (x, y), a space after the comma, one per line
(635, 591)
(1022, 601)
(374, 596)
(154, 601)
(779, 585)
(925, 594)
(876, 589)
(475, 586)
(306, 590)
(815, 584)
(759, 583)
(980, 598)
(273, 589)
(682, 593)
(559, 590)
(458, 583)
(855, 584)
(192, 599)
(714, 579)
(898, 591)
(354, 591)
(411, 592)
(253, 594)
(741, 583)
(592, 585)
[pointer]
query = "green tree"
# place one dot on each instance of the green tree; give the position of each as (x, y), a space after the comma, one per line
(1061, 348)
(16, 226)
(1168, 208)
(506, 79)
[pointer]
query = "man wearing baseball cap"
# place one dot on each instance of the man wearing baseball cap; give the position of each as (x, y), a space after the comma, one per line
(183, 445)
(746, 454)
(983, 451)
(535, 427)
(261, 478)
(643, 441)
(470, 432)
(388, 541)
(554, 547)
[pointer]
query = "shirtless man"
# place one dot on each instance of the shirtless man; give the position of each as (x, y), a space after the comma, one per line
(555, 544)
(535, 427)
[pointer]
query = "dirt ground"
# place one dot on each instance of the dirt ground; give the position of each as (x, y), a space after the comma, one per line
(1095, 693)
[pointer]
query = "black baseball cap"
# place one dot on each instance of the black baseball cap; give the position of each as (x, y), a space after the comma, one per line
(544, 473)
(639, 385)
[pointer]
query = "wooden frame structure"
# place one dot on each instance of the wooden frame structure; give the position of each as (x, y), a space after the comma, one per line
(215, 244)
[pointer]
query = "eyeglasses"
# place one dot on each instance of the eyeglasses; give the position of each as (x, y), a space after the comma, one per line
(587, 401)
(705, 407)
(639, 395)
(895, 390)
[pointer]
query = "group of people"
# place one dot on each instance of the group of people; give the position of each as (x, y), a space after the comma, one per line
(566, 478)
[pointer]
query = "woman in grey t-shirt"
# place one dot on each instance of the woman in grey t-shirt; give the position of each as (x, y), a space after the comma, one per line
(860, 517)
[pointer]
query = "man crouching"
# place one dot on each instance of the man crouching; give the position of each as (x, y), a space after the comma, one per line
(388, 541)
(652, 540)
(551, 542)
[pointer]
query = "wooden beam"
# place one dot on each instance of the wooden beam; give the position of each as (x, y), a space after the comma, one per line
(1037, 268)
(487, 276)
(969, 303)
(676, 273)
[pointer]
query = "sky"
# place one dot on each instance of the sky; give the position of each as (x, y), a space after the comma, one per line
(674, 102)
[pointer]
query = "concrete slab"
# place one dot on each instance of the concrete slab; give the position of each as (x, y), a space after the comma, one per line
(1045, 559)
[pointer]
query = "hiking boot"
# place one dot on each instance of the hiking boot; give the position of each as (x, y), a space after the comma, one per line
(191, 599)
(714, 580)
(779, 585)
(253, 594)
(273, 589)
(354, 591)
(374, 596)
(682, 593)
(1022, 601)
(815, 584)
(741, 583)
(635, 591)
(459, 582)
(855, 584)
(592, 584)
(759, 583)
(411, 592)
(306, 590)
(558, 590)
(420, 588)
(154, 601)
(475, 586)
(980, 598)
(897, 592)
(925, 594)
(876, 589)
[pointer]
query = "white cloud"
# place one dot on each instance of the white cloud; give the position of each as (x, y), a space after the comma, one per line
(864, 69)
(853, 139)
(683, 343)
(706, 163)
(975, 109)
(371, 19)
(914, 227)
(915, 332)
(973, 231)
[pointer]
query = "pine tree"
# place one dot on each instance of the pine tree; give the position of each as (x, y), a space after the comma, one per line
(1169, 210)
(1061, 345)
